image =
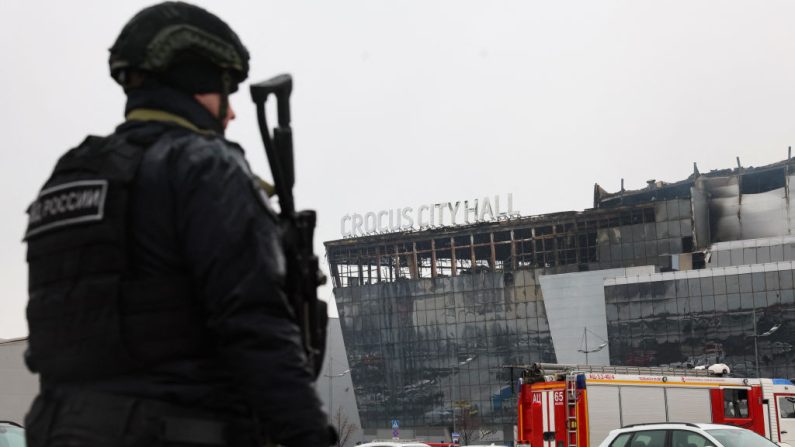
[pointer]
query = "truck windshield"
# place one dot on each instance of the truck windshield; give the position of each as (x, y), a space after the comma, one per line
(740, 438)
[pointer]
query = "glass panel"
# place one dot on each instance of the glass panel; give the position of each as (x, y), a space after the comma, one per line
(733, 283)
(621, 440)
(758, 281)
(735, 403)
(706, 286)
(786, 407)
(785, 279)
(719, 284)
(651, 438)
(11, 436)
(771, 280)
(745, 282)
(682, 438)
(739, 438)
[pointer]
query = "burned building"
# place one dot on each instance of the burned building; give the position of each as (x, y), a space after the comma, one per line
(690, 272)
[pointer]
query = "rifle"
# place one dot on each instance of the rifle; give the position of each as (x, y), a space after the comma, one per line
(303, 270)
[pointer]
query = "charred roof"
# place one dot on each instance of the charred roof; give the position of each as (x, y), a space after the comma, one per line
(606, 206)
(661, 190)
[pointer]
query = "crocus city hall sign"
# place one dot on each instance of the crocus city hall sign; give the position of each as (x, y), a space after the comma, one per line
(433, 215)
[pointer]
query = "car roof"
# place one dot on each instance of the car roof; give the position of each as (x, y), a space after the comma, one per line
(394, 444)
(671, 425)
(719, 427)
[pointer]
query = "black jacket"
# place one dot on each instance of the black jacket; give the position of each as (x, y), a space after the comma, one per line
(195, 211)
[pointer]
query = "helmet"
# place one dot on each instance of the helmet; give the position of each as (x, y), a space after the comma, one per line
(183, 46)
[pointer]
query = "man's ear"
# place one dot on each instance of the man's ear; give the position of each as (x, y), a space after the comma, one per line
(209, 102)
(134, 79)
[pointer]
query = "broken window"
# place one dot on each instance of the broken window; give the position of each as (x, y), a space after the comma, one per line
(606, 239)
(764, 181)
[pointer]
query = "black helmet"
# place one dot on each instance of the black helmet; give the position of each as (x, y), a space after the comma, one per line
(181, 45)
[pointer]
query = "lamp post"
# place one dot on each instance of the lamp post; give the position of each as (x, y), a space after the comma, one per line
(457, 369)
(756, 341)
(587, 351)
(331, 378)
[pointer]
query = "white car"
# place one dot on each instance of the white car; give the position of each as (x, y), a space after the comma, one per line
(394, 444)
(672, 434)
(11, 434)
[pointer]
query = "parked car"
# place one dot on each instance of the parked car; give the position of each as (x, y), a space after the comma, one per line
(11, 434)
(670, 434)
(394, 443)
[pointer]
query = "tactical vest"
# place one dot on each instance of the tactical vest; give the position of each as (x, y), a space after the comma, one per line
(88, 317)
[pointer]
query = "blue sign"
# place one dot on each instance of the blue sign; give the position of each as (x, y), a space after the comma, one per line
(395, 429)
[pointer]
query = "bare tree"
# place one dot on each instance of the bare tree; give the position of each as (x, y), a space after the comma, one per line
(468, 423)
(484, 433)
(345, 427)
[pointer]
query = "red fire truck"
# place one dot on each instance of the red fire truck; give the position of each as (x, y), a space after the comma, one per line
(577, 405)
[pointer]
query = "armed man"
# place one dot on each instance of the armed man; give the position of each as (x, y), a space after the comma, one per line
(160, 310)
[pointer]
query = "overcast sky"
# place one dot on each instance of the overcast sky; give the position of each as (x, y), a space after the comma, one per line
(403, 103)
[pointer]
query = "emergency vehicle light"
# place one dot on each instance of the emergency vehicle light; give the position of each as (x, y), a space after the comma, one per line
(580, 381)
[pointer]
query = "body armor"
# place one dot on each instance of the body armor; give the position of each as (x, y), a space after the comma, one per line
(89, 317)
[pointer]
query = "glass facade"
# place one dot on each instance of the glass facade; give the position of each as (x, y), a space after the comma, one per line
(431, 319)
(704, 317)
(431, 352)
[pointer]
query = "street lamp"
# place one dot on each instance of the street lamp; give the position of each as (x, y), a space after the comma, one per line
(331, 377)
(457, 369)
(756, 341)
(587, 351)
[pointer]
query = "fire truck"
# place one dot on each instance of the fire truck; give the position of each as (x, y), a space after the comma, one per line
(577, 405)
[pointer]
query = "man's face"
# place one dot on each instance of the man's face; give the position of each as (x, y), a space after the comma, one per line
(212, 102)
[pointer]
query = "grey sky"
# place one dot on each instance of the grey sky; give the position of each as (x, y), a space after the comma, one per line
(403, 103)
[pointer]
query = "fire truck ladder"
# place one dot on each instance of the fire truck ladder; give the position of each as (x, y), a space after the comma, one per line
(544, 369)
(571, 408)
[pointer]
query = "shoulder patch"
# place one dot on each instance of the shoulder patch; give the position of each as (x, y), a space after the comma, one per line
(67, 204)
